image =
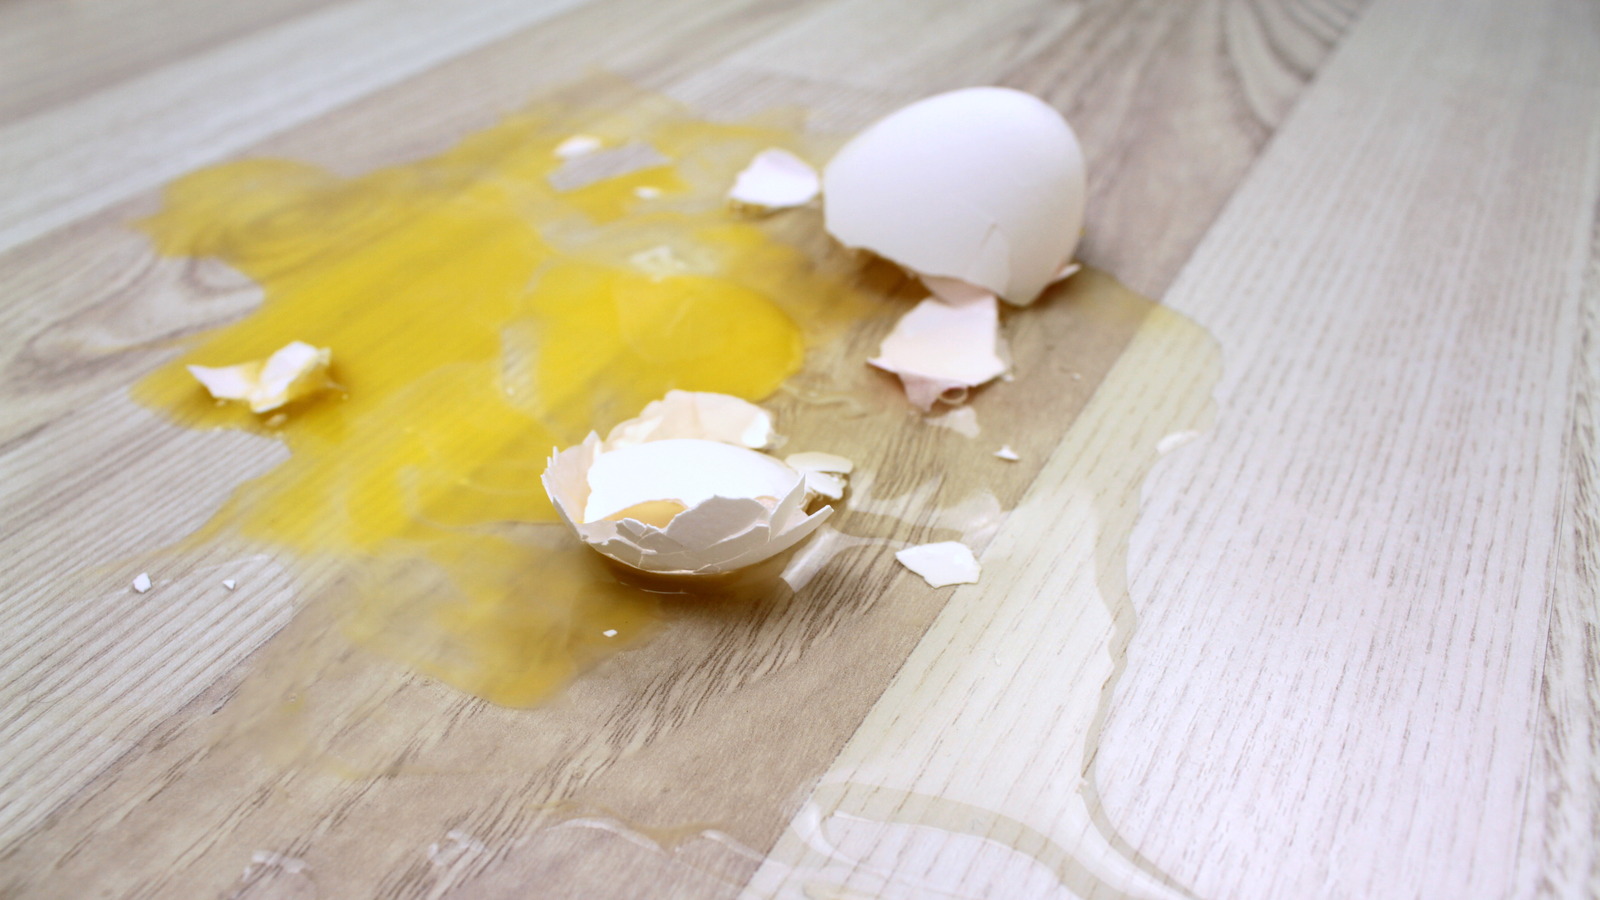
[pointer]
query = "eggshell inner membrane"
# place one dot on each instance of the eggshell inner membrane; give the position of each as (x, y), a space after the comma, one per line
(985, 185)
(684, 471)
(938, 346)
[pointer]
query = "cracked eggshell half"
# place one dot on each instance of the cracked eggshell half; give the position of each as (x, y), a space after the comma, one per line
(680, 490)
(985, 185)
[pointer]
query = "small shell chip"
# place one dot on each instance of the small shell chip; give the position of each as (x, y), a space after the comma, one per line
(776, 179)
(941, 564)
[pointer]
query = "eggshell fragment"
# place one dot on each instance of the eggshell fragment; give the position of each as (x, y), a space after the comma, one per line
(228, 382)
(141, 582)
(685, 471)
(939, 347)
(941, 564)
(1007, 454)
(296, 370)
(776, 179)
(681, 490)
(824, 472)
(578, 145)
(985, 185)
(820, 462)
(696, 414)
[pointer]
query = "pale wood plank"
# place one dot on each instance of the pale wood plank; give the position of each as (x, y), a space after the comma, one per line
(53, 52)
(1561, 857)
(68, 162)
(1339, 683)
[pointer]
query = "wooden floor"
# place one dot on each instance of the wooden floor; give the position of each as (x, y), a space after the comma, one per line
(1292, 593)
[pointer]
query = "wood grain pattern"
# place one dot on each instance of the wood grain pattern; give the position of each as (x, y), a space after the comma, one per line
(65, 163)
(1341, 683)
(248, 750)
(1563, 860)
(1377, 598)
(52, 53)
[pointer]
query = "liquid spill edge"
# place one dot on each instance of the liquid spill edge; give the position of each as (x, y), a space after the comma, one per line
(921, 781)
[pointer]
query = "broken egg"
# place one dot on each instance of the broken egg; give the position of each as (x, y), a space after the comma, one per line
(983, 185)
(683, 489)
(296, 370)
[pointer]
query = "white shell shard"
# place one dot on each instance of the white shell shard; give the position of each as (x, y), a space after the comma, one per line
(228, 382)
(939, 347)
(696, 414)
(141, 582)
(686, 471)
(941, 564)
(690, 451)
(776, 179)
(578, 145)
(985, 185)
(229, 583)
(820, 462)
(824, 472)
(1007, 454)
(296, 370)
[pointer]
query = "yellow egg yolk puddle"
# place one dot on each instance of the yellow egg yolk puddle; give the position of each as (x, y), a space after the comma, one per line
(478, 317)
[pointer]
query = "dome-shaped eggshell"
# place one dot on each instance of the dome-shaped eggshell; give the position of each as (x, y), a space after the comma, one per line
(985, 185)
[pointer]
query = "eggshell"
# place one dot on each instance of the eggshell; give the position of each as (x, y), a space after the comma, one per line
(296, 370)
(824, 472)
(939, 347)
(985, 185)
(699, 451)
(578, 145)
(228, 382)
(686, 471)
(776, 179)
(820, 462)
(696, 414)
(941, 564)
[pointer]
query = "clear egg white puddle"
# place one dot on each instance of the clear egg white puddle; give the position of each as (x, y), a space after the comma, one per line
(956, 781)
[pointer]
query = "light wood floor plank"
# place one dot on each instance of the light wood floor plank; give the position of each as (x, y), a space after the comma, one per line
(53, 52)
(67, 162)
(1358, 598)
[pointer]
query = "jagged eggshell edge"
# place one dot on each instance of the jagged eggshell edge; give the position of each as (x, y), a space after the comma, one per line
(720, 535)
